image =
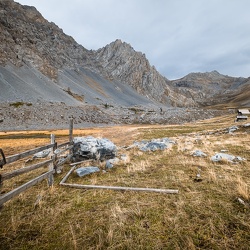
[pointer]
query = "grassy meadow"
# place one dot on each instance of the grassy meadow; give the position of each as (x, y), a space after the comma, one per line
(212, 213)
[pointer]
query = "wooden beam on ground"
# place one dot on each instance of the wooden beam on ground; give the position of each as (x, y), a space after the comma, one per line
(80, 186)
(4, 198)
(67, 175)
(167, 191)
(79, 162)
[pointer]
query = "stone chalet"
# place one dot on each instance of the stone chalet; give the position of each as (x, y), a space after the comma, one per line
(243, 112)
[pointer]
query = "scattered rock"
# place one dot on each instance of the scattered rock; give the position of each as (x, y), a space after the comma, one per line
(155, 144)
(241, 201)
(86, 170)
(198, 176)
(110, 163)
(42, 154)
(199, 153)
(230, 158)
(124, 157)
(224, 151)
(35, 116)
(232, 129)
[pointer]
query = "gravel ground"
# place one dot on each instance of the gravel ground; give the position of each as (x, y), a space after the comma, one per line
(39, 116)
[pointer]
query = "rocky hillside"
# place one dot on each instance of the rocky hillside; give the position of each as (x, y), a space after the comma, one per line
(213, 88)
(27, 38)
(41, 64)
(122, 62)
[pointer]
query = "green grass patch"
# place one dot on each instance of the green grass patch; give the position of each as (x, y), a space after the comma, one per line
(19, 104)
(153, 133)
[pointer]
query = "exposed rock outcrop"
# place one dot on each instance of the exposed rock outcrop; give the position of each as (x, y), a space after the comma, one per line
(212, 88)
(122, 62)
(39, 63)
(28, 38)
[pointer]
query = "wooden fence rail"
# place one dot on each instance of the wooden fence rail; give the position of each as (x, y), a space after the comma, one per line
(15, 192)
(24, 170)
(17, 157)
(53, 164)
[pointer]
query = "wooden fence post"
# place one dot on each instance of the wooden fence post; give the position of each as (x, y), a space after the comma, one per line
(71, 130)
(71, 135)
(52, 164)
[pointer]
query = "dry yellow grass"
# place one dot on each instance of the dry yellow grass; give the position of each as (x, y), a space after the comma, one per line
(204, 215)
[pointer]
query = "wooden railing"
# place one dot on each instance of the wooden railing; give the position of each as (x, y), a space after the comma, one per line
(54, 164)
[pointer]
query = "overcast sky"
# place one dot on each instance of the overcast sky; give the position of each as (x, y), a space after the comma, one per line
(177, 36)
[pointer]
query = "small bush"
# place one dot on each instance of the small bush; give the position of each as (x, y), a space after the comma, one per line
(17, 104)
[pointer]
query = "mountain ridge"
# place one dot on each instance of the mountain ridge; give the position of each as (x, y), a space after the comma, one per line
(122, 62)
(40, 63)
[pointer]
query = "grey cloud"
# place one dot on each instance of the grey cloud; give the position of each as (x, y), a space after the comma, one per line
(177, 36)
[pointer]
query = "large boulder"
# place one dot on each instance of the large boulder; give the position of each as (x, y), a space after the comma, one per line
(93, 148)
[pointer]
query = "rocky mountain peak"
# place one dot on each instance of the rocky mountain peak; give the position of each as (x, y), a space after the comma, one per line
(117, 51)
(212, 75)
(122, 62)
(209, 88)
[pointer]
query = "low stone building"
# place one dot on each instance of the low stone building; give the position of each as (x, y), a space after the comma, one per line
(243, 112)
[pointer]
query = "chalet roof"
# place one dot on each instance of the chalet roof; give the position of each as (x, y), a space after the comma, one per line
(244, 111)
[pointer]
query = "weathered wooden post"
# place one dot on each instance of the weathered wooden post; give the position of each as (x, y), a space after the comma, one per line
(52, 164)
(71, 135)
(71, 130)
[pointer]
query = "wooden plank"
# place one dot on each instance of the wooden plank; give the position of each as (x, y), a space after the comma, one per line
(51, 166)
(63, 144)
(79, 162)
(71, 134)
(67, 175)
(4, 198)
(167, 191)
(27, 153)
(20, 171)
(71, 130)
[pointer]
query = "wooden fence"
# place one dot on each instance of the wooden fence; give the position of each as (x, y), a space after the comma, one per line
(54, 164)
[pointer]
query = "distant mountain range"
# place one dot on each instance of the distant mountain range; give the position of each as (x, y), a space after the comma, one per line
(39, 63)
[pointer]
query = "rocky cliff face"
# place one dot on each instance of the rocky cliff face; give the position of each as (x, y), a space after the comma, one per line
(28, 41)
(122, 62)
(27, 38)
